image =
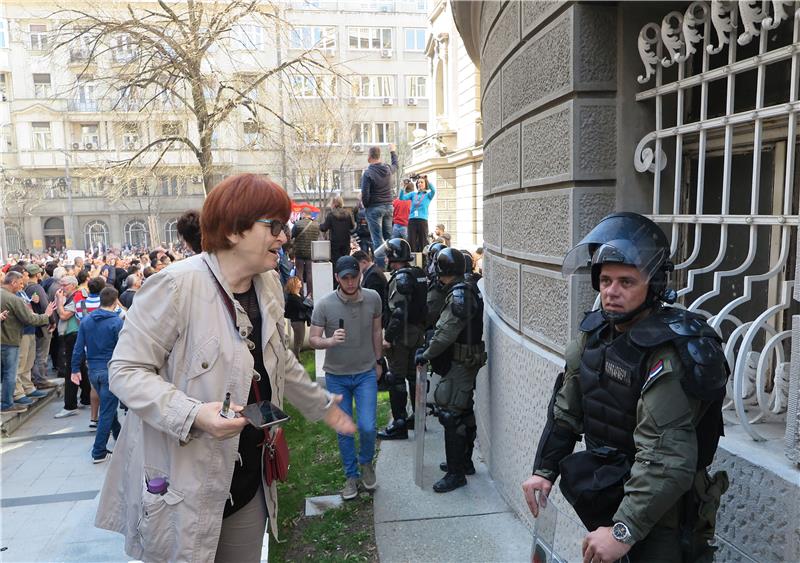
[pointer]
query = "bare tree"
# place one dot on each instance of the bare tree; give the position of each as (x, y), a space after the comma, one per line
(208, 61)
(19, 198)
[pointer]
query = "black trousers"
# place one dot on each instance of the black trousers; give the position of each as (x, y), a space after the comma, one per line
(65, 369)
(417, 234)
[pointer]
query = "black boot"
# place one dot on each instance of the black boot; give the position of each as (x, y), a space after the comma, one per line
(454, 445)
(469, 467)
(397, 430)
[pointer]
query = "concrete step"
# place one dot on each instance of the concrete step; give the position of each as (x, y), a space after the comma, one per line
(10, 421)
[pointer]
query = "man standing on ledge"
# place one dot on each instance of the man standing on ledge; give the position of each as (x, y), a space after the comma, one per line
(644, 385)
(377, 195)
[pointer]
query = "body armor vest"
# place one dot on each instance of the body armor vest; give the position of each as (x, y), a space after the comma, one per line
(472, 333)
(417, 305)
(613, 372)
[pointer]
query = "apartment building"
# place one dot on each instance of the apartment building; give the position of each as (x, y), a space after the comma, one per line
(61, 131)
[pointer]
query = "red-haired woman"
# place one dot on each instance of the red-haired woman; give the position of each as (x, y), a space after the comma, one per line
(202, 328)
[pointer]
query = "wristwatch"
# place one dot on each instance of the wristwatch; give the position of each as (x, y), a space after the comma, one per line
(621, 533)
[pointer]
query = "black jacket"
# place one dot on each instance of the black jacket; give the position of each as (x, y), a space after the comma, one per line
(376, 183)
(375, 279)
(340, 222)
(296, 310)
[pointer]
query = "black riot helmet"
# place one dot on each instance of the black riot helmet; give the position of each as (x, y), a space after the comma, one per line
(450, 262)
(468, 264)
(397, 250)
(434, 249)
(629, 239)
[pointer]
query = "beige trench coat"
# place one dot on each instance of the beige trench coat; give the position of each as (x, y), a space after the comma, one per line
(178, 348)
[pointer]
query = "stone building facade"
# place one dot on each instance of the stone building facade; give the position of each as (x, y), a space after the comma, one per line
(681, 111)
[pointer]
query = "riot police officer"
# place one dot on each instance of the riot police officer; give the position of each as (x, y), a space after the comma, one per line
(436, 293)
(404, 333)
(470, 274)
(643, 384)
(430, 259)
(456, 352)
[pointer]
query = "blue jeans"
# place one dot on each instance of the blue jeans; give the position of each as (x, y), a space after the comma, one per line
(363, 387)
(9, 361)
(107, 422)
(399, 231)
(379, 221)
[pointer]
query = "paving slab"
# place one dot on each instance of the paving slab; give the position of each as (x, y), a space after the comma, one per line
(415, 524)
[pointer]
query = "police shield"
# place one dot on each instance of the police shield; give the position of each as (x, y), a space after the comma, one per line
(420, 400)
(543, 549)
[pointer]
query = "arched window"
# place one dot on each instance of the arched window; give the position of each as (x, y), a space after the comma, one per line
(136, 233)
(54, 224)
(171, 231)
(96, 233)
(13, 239)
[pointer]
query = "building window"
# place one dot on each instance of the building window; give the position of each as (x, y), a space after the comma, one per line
(320, 134)
(136, 233)
(90, 137)
(313, 37)
(130, 136)
(412, 126)
(96, 234)
(171, 232)
(42, 138)
(369, 38)
(4, 81)
(3, 34)
(170, 129)
(250, 133)
(130, 99)
(131, 189)
(84, 96)
(248, 36)
(373, 86)
(124, 48)
(417, 86)
(6, 139)
(384, 133)
(169, 185)
(312, 86)
(13, 239)
(357, 174)
(41, 86)
(38, 34)
(362, 133)
(415, 39)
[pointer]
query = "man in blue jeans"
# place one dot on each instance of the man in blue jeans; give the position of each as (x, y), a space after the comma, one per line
(97, 338)
(377, 196)
(347, 324)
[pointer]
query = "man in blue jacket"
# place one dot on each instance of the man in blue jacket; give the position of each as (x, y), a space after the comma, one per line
(97, 338)
(377, 195)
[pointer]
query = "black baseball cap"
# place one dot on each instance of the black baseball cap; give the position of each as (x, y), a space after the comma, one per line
(346, 266)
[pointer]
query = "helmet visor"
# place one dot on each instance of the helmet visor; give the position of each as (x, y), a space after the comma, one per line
(627, 239)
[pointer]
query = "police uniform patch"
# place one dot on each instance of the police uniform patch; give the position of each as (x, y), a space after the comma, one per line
(659, 368)
(618, 373)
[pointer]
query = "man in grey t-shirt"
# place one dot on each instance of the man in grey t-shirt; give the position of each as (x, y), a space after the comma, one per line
(347, 324)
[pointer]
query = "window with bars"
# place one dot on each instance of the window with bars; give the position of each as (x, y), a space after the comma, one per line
(171, 232)
(373, 86)
(38, 37)
(42, 137)
(42, 88)
(95, 234)
(313, 37)
(417, 86)
(415, 39)
(136, 233)
(720, 81)
(369, 38)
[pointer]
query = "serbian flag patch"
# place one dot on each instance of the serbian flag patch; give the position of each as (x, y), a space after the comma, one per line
(656, 369)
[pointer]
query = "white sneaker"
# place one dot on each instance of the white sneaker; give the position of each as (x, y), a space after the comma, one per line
(64, 413)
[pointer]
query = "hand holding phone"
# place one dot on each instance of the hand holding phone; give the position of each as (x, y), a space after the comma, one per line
(339, 335)
(264, 414)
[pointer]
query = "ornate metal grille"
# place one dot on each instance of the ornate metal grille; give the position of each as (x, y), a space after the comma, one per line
(722, 160)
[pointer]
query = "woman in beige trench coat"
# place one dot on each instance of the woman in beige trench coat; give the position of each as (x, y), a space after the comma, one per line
(177, 357)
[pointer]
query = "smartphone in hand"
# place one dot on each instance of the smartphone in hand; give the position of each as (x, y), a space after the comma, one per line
(264, 414)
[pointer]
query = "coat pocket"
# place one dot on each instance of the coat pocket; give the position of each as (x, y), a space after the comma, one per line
(204, 358)
(158, 525)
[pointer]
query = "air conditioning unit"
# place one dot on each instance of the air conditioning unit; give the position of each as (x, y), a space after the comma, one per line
(88, 146)
(388, 101)
(358, 148)
(386, 53)
(412, 101)
(76, 146)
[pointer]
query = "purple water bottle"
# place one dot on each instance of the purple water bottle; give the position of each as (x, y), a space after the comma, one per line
(157, 486)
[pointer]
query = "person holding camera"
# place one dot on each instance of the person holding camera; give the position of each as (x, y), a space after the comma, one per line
(186, 482)
(418, 216)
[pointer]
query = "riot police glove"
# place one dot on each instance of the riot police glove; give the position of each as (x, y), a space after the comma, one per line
(419, 359)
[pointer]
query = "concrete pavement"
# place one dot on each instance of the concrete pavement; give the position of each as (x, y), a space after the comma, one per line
(472, 523)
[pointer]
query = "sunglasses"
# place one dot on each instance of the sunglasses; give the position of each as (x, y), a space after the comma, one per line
(276, 226)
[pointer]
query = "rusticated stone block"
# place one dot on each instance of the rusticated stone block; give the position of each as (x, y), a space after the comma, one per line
(491, 108)
(504, 38)
(492, 223)
(589, 206)
(540, 70)
(502, 286)
(544, 300)
(596, 129)
(595, 50)
(501, 158)
(489, 11)
(533, 13)
(547, 146)
(536, 226)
